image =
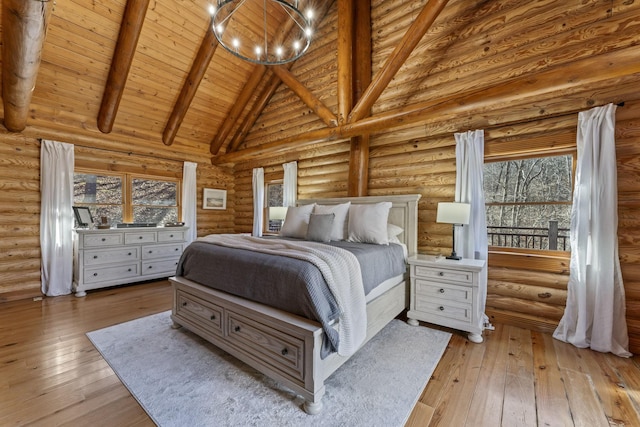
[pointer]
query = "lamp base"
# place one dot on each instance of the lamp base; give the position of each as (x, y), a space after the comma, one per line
(454, 257)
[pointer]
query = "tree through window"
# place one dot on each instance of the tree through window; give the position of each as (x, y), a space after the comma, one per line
(528, 202)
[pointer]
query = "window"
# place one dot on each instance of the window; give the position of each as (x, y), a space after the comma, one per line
(274, 199)
(127, 197)
(528, 202)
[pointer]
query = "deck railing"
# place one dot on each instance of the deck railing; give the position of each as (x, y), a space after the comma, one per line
(550, 238)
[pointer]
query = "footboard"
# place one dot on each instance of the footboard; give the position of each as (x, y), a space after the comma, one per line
(283, 346)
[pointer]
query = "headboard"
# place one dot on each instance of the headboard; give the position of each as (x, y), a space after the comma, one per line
(403, 213)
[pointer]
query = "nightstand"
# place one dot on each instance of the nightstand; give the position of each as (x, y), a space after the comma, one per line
(445, 292)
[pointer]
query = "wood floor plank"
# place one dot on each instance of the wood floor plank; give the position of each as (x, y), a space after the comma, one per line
(551, 398)
(519, 392)
(586, 410)
(486, 406)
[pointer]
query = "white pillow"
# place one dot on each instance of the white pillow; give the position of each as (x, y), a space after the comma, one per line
(297, 221)
(341, 211)
(393, 231)
(368, 223)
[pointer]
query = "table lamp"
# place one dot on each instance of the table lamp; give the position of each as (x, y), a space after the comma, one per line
(455, 214)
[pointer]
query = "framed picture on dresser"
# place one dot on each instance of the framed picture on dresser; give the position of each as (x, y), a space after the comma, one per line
(83, 216)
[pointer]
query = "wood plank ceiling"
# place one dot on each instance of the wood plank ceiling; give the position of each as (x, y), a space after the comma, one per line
(163, 73)
(149, 72)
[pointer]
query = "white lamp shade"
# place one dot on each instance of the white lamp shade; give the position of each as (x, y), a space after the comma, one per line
(277, 212)
(453, 213)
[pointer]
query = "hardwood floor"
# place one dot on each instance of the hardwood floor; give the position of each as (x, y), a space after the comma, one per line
(50, 373)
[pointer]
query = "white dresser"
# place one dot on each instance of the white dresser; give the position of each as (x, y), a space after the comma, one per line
(445, 292)
(117, 256)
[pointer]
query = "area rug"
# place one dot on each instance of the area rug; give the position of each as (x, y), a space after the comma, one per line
(181, 380)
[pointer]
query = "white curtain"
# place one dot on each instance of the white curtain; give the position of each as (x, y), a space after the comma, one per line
(290, 184)
(594, 316)
(56, 217)
(258, 200)
(472, 239)
(190, 200)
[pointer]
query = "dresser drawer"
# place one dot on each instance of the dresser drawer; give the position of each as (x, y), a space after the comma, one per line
(444, 274)
(282, 351)
(113, 273)
(140, 237)
(97, 240)
(170, 236)
(446, 291)
(106, 256)
(203, 313)
(161, 251)
(164, 266)
(443, 308)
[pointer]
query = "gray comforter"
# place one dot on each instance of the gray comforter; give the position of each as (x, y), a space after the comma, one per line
(290, 284)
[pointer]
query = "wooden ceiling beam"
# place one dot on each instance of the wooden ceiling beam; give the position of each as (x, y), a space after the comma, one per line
(260, 103)
(306, 95)
(24, 26)
(130, 29)
(622, 68)
(358, 179)
(345, 58)
(395, 61)
(190, 87)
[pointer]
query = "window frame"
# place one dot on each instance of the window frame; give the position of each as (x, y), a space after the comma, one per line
(127, 190)
(265, 207)
(530, 155)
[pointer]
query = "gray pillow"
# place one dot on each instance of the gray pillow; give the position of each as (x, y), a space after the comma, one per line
(320, 226)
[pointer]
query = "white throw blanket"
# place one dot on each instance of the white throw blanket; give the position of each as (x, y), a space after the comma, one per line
(339, 267)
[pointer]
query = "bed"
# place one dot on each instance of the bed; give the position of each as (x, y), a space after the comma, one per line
(284, 345)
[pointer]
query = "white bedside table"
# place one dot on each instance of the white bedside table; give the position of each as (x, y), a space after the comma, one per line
(445, 292)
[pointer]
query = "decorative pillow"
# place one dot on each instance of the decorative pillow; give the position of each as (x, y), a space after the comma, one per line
(368, 223)
(297, 221)
(320, 226)
(393, 231)
(341, 211)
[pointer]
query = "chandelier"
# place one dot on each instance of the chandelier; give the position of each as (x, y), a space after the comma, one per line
(267, 32)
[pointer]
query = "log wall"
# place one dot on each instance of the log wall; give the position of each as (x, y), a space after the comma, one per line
(476, 50)
(20, 202)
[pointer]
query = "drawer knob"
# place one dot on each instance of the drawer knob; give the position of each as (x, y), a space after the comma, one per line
(103, 239)
(177, 249)
(441, 291)
(150, 252)
(170, 235)
(441, 273)
(213, 317)
(150, 267)
(95, 274)
(129, 253)
(441, 308)
(95, 257)
(237, 329)
(285, 351)
(129, 270)
(184, 303)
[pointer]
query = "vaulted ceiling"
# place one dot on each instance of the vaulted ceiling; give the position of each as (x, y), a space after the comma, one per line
(148, 76)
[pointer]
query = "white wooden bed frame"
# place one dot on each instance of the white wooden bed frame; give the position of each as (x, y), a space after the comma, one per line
(281, 345)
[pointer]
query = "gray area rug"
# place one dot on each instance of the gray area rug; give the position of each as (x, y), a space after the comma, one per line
(181, 380)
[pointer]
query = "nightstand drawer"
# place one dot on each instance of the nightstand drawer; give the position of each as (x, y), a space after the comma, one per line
(444, 274)
(443, 308)
(446, 291)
